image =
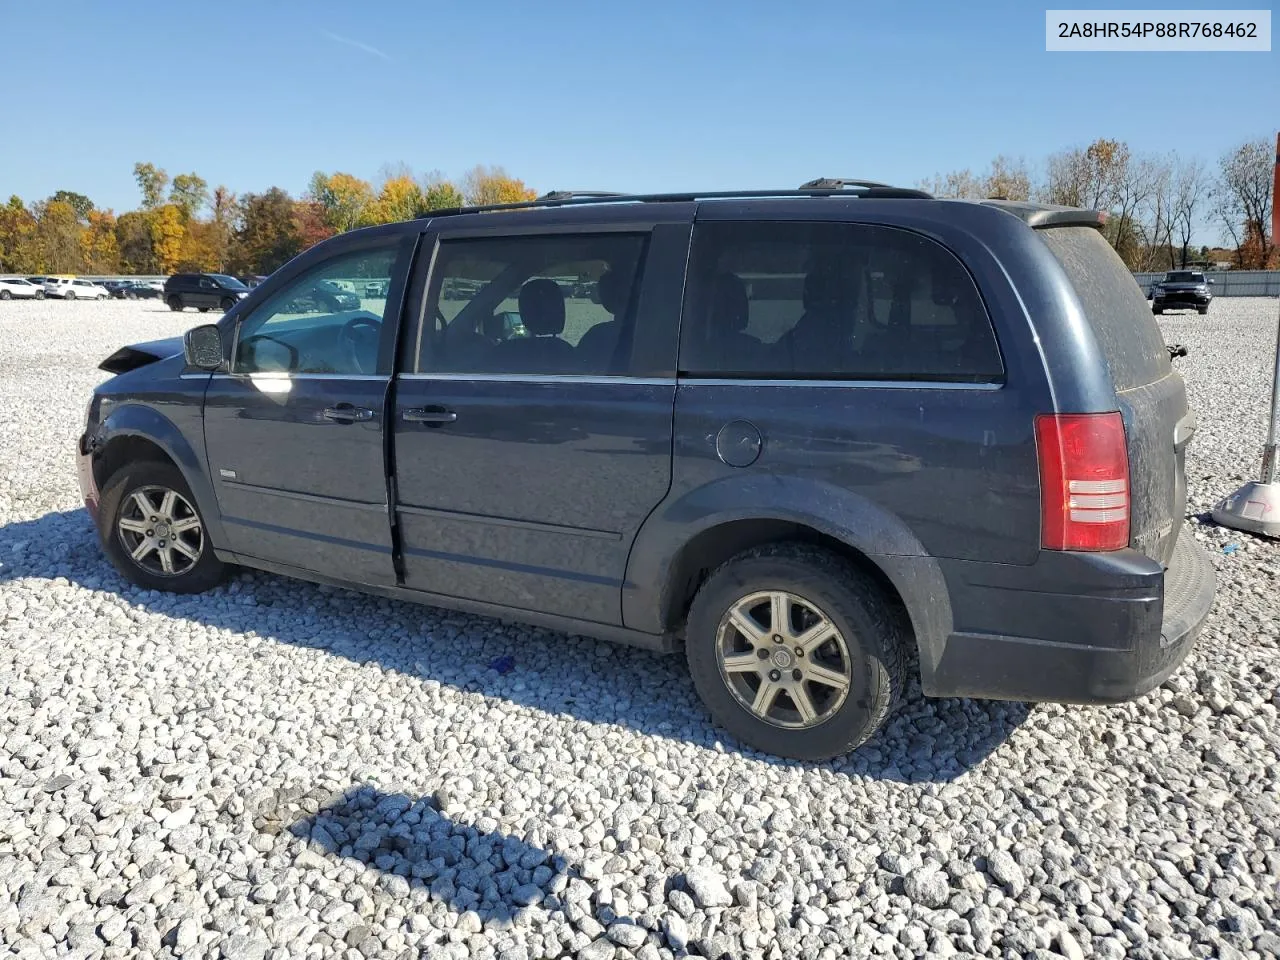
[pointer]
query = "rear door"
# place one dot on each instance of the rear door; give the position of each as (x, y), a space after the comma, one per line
(294, 433)
(1151, 395)
(532, 431)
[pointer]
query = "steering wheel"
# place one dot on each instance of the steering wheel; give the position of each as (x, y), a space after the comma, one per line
(358, 342)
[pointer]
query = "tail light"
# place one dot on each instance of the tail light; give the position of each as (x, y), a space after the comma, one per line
(1084, 481)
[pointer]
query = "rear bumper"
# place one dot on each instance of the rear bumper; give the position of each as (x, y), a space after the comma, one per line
(1105, 644)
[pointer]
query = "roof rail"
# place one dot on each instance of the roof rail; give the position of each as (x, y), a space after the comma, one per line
(568, 198)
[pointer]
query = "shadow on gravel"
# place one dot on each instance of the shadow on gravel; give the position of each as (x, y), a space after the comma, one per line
(924, 740)
(417, 848)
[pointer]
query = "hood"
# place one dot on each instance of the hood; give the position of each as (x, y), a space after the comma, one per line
(140, 354)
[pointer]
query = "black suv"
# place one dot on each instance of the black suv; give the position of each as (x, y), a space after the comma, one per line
(205, 291)
(816, 438)
(1182, 288)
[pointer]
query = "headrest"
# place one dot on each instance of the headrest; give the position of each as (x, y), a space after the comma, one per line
(542, 307)
(729, 304)
(611, 291)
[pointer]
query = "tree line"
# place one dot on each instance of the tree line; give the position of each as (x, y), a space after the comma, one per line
(1155, 202)
(183, 225)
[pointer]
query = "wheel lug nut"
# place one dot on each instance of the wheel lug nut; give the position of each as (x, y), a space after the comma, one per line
(775, 676)
(162, 543)
(799, 651)
(154, 519)
(796, 675)
(777, 638)
(762, 654)
(150, 533)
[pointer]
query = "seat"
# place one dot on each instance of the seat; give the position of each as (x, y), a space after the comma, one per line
(597, 347)
(732, 348)
(543, 351)
(821, 340)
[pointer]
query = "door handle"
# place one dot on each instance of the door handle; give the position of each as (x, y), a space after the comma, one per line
(431, 416)
(346, 413)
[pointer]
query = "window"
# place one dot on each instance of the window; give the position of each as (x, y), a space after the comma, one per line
(316, 326)
(532, 305)
(831, 301)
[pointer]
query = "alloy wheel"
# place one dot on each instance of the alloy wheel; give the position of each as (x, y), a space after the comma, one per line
(161, 531)
(783, 659)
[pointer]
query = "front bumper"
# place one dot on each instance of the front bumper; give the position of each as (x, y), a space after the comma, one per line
(1105, 644)
(1188, 298)
(84, 474)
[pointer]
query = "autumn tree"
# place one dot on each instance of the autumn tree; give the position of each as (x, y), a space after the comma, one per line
(152, 181)
(343, 199)
(1005, 179)
(168, 236)
(400, 198)
(78, 201)
(312, 227)
(98, 246)
(268, 234)
(17, 227)
(484, 185)
(189, 194)
(440, 194)
(1242, 202)
(133, 243)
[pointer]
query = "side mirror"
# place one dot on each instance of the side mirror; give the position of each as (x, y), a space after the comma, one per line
(202, 347)
(1213, 281)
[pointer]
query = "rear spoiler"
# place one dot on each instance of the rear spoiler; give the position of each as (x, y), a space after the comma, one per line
(1041, 215)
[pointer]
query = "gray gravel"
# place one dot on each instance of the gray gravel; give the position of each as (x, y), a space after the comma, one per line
(282, 770)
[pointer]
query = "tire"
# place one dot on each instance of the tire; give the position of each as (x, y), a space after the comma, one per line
(69, 295)
(1202, 310)
(39, 294)
(156, 480)
(175, 303)
(101, 296)
(5, 295)
(203, 309)
(1157, 310)
(227, 304)
(867, 650)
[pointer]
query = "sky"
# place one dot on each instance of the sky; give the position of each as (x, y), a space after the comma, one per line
(596, 95)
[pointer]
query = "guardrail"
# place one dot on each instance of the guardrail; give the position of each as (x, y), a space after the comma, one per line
(1229, 283)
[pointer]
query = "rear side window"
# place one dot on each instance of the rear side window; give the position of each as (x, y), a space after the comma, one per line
(1113, 303)
(829, 301)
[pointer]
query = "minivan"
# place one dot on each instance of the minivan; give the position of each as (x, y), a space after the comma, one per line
(820, 440)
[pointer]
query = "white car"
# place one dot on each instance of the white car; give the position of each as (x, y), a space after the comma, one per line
(16, 288)
(69, 288)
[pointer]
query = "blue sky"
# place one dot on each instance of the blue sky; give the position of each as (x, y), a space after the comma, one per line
(593, 95)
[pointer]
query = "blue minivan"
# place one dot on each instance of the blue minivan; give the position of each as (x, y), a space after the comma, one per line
(816, 439)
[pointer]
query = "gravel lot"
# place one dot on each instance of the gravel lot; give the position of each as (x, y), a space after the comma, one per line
(283, 770)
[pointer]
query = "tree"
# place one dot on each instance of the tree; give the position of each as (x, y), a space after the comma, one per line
(343, 199)
(98, 244)
(168, 236)
(152, 182)
(312, 227)
(17, 227)
(133, 243)
(79, 202)
(1242, 202)
(1088, 178)
(399, 199)
(1190, 184)
(189, 194)
(484, 185)
(439, 193)
(57, 237)
(1006, 179)
(268, 234)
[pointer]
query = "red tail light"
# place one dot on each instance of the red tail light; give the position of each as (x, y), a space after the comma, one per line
(1084, 481)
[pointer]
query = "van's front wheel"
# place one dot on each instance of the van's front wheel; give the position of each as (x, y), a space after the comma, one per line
(154, 533)
(795, 651)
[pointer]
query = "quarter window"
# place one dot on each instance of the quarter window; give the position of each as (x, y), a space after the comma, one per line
(317, 324)
(531, 305)
(831, 301)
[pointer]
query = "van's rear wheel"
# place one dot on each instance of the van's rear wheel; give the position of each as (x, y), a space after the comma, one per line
(175, 303)
(154, 533)
(795, 651)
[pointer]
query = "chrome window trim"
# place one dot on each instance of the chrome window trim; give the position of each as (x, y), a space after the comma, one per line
(701, 381)
(268, 375)
(541, 378)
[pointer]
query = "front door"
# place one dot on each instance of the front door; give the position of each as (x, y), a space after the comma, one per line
(294, 433)
(532, 432)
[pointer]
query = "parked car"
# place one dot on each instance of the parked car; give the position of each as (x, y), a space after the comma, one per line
(204, 291)
(12, 288)
(119, 289)
(73, 288)
(376, 288)
(39, 281)
(146, 290)
(1182, 288)
(813, 440)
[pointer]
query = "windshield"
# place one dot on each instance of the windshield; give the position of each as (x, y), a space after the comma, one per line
(228, 283)
(1184, 276)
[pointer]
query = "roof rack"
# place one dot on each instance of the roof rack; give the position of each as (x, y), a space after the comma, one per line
(571, 198)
